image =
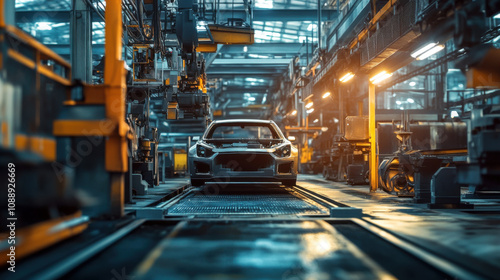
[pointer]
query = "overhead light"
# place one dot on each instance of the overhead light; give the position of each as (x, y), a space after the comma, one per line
(266, 4)
(412, 84)
(398, 102)
(410, 100)
(294, 112)
(251, 98)
(326, 94)
(315, 121)
(43, 26)
(380, 77)
(454, 114)
(401, 108)
(346, 77)
(310, 110)
(245, 49)
(311, 27)
(427, 51)
(309, 105)
(165, 123)
(291, 138)
(497, 16)
(335, 120)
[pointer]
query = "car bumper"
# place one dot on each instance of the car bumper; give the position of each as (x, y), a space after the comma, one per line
(265, 167)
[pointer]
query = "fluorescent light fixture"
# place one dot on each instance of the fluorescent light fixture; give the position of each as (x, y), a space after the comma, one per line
(427, 51)
(311, 27)
(454, 114)
(291, 138)
(398, 102)
(257, 56)
(497, 16)
(310, 110)
(294, 112)
(309, 105)
(401, 108)
(266, 4)
(326, 94)
(315, 121)
(380, 77)
(324, 129)
(245, 49)
(346, 77)
(43, 26)
(165, 123)
(422, 50)
(251, 98)
(335, 120)
(410, 100)
(412, 84)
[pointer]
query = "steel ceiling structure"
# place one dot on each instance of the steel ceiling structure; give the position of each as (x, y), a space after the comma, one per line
(284, 29)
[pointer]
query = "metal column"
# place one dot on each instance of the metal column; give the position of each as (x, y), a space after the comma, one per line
(373, 139)
(341, 131)
(81, 41)
(7, 12)
(319, 25)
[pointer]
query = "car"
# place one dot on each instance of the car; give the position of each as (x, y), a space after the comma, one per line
(243, 151)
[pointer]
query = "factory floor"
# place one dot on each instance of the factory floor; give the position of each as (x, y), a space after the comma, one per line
(255, 231)
(468, 235)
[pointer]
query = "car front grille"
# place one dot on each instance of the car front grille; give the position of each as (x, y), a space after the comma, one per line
(244, 162)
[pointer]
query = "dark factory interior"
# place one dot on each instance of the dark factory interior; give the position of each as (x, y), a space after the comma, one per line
(250, 139)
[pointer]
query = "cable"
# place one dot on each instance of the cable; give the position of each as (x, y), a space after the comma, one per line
(140, 13)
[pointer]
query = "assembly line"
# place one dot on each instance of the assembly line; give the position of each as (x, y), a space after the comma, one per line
(250, 139)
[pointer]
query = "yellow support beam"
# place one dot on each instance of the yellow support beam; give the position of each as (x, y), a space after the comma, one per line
(114, 79)
(373, 161)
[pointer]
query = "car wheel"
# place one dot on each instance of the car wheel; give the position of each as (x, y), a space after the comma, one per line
(289, 183)
(197, 182)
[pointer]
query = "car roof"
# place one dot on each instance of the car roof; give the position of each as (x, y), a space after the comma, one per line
(242, 120)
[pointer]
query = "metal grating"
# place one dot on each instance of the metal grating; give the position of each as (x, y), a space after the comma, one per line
(273, 204)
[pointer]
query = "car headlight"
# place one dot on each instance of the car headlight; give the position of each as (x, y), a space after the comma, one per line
(204, 151)
(284, 151)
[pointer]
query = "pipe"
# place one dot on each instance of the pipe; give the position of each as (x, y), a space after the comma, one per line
(319, 25)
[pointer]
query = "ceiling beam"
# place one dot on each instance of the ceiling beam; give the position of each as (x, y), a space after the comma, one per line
(263, 48)
(252, 61)
(247, 72)
(282, 15)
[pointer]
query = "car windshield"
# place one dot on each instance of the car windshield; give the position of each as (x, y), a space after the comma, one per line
(242, 131)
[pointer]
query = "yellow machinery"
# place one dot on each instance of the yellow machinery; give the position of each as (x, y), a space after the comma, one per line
(180, 161)
(43, 208)
(51, 147)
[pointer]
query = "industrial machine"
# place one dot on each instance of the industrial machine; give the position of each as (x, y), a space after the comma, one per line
(479, 172)
(422, 149)
(38, 198)
(348, 156)
(168, 79)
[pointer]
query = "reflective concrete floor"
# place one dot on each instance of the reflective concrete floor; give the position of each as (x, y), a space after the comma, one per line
(468, 235)
(271, 232)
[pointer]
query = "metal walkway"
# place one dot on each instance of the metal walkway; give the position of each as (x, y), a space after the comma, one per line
(265, 200)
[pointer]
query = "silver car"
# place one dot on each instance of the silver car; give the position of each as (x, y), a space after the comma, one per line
(243, 151)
